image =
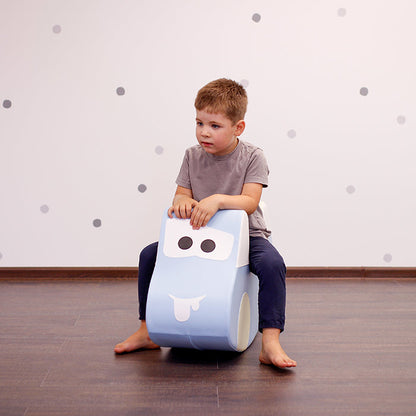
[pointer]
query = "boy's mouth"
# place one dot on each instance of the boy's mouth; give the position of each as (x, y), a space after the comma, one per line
(206, 144)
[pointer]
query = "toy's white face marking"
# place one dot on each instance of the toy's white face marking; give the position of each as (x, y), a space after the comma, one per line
(182, 306)
(208, 243)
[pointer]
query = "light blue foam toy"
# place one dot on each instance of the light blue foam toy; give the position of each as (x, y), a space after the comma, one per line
(202, 294)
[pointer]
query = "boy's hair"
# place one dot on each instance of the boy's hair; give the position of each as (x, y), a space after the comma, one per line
(223, 96)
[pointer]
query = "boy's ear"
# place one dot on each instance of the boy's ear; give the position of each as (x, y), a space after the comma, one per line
(239, 127)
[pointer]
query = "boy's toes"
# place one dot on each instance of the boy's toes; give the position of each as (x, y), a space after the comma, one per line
(120, 348)
(124, 347)
(291, 363)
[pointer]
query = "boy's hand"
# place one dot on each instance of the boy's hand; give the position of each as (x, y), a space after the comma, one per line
(204, 211)
(182, 208)
(183, 203)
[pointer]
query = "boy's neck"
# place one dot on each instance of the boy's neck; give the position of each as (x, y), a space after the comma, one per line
(232, 149)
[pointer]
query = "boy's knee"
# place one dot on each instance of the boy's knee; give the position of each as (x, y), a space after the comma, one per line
(271, 264)
(148, 252)
(277, 263)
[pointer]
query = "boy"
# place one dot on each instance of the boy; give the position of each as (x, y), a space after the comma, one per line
(222, 172)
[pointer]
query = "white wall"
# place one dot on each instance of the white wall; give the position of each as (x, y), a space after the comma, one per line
(72, 150)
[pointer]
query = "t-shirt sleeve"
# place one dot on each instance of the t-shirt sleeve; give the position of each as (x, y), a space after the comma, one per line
(257, 170)
(183, 178)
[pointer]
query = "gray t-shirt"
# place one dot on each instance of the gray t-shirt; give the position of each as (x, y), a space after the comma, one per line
(207, 174)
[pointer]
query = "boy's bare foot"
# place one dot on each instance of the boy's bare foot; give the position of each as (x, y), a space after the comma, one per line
(139, 340)
(272, 352)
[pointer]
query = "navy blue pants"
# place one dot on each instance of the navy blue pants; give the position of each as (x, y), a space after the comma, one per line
(265, 262)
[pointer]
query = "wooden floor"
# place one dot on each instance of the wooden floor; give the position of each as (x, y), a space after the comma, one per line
(354, 341)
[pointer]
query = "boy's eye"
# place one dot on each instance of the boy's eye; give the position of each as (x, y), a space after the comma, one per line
(215, 126)
(199, 123)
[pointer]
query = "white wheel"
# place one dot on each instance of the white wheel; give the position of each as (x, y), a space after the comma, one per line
(243, 333)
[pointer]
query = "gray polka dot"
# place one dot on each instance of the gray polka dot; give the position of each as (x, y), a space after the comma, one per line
(342, 12)
(159, 150)
(96, 223)
(142, 188)
(256, 17)
(364, 91)
(401, 119)
(7, 103)
(57, 29)
(291, 134)
(350, 189)
(388, 258)
(244, 83)
(44, 209)
(120, 91)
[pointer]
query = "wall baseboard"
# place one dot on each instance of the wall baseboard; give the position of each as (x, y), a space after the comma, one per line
(352, 272)
(11, 273)
(68, 273)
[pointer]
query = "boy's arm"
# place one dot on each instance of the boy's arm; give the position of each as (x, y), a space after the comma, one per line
(182, 204)
(248, 200)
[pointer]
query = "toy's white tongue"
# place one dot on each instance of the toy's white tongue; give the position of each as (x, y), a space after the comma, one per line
(182, 307)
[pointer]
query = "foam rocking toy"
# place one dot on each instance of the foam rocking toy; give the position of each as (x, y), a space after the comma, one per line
(202, 294)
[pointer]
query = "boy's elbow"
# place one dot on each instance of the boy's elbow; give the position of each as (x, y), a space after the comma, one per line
(252, 207)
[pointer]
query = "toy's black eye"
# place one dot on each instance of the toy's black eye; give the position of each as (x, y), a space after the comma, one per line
(207, 246)
(185, 242)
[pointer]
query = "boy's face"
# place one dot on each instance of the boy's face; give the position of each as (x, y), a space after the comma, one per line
(216, 133)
